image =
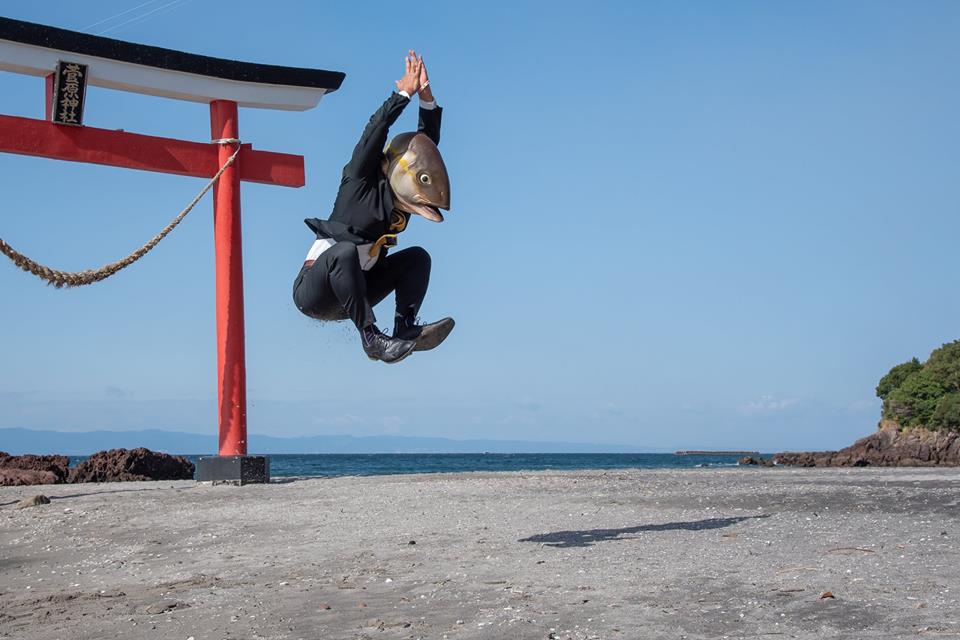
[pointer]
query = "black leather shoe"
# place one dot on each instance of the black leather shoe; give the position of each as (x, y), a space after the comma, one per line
(427, 336)
(379, 346)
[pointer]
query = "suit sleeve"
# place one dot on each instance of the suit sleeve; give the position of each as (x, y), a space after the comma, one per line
(368, 152)
(430, 123)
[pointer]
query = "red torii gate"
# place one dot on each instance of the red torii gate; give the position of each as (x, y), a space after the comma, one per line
(44, 51)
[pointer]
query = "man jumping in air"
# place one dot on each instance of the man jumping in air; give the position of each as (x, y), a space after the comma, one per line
(348, 270)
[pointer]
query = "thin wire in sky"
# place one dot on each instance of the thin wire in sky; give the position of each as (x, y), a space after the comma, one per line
(118, 15)
(168, 6)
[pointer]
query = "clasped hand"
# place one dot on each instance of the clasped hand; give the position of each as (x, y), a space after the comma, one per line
(415, 78)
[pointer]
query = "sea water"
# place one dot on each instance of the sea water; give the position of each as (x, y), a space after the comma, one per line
(375, 464)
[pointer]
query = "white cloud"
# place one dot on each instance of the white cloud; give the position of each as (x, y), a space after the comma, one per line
(612, 408)
(767, 405)
(391, 424)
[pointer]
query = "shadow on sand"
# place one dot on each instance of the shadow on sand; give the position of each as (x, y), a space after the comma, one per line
(565, 539)
(68, 496)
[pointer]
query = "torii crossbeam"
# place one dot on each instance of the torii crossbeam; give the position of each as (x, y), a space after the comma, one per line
(69, 61)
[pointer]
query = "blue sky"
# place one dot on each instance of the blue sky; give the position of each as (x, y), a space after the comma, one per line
(688, 224)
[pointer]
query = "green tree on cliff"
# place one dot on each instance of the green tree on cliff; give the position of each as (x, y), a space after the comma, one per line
(947, 414)
(924, 395)
(944, 365)
(896, 377)
(914, 401)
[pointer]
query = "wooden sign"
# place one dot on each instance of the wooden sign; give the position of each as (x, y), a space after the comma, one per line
(69, 93)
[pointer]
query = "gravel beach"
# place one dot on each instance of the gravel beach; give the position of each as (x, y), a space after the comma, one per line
(705, 553)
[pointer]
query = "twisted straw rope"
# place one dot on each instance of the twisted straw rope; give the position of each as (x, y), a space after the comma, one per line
(78, 278)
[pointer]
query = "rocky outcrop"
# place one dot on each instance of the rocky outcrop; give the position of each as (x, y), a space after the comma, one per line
(33, 501)
(890, 446)
(24, 477)
(126, 465)
(804, 458)
(56, 465)
(755, 461)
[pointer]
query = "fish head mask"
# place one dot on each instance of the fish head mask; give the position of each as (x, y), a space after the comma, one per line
(417, 175)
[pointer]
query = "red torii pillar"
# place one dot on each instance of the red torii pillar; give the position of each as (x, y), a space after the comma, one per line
(224, 84)
(231, 357)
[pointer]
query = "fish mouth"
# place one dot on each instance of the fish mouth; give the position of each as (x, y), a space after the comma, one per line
(430, 213)
(427, 211)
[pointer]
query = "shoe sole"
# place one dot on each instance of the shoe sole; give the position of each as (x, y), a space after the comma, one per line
(403, 357)
(432, 340)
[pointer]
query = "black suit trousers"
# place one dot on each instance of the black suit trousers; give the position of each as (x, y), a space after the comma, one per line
(336, 288)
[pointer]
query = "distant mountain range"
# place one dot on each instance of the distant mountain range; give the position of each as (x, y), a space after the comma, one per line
(20, 441)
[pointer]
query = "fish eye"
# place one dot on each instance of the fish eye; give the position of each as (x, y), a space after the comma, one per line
(424, 178)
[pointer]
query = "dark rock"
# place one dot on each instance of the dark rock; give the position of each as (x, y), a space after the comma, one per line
(130, 465)
(23, 477)
(751, 460)
(57, 465)
(33, 501)
(804, 458)
(164, 606)
(890, 446)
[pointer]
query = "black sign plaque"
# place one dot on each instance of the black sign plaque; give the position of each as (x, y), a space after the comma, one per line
(69, 93)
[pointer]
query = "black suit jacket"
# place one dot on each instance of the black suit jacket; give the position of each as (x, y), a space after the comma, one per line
(363, 210)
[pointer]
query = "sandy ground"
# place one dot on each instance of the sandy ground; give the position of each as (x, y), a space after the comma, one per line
(709, 553)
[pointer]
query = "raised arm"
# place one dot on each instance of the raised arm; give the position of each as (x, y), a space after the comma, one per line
(368, 152)
(430, 113)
